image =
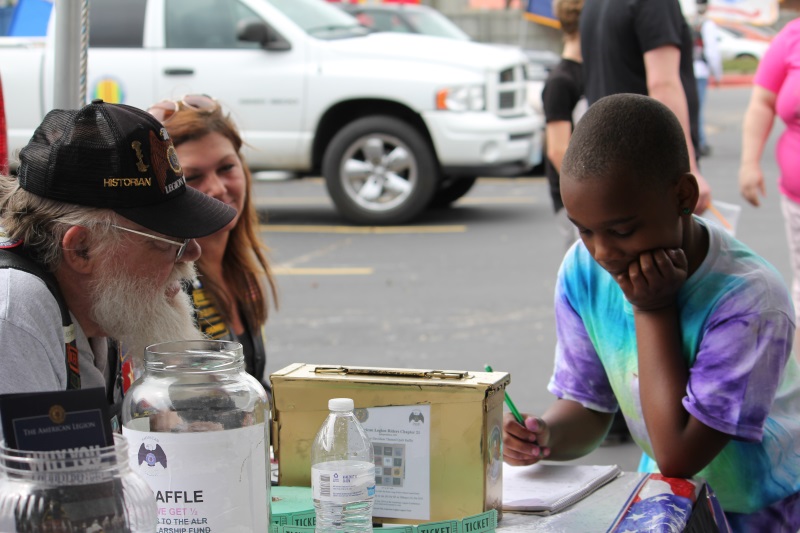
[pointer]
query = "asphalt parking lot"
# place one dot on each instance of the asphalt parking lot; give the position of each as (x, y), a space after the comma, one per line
(460, 287)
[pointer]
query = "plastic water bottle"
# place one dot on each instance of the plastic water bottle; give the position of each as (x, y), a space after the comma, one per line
(342, 472)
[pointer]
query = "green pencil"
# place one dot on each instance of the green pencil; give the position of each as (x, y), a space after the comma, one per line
(509, 403)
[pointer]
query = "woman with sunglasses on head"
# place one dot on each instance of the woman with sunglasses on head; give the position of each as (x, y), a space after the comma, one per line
(235, 282)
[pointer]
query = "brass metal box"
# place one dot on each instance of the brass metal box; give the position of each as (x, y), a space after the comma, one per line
(437, 434)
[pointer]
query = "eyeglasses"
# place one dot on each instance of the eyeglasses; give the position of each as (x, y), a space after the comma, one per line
(181, 245)
(166, 109)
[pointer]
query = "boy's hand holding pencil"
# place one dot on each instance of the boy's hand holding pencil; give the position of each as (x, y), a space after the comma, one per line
(524, 437)
(526, 443)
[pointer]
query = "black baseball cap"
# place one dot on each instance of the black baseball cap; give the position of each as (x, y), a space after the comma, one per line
(117, 157)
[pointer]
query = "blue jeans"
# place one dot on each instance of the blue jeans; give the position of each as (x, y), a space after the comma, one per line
(702, 84)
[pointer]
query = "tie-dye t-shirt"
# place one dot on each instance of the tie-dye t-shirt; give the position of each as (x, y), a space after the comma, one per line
(737, 322)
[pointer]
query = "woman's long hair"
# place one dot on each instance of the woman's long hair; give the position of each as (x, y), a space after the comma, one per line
(245, 268)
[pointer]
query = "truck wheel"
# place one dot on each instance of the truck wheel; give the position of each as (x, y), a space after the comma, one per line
(379, 170)
(450, 191)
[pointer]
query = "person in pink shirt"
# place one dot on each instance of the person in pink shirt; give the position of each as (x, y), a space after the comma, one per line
(776, 91)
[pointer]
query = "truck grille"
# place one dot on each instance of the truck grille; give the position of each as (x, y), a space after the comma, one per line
(507, 99)
(510, 89)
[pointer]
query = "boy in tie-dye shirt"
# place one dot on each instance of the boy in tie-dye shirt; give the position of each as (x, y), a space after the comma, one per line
(671, 320)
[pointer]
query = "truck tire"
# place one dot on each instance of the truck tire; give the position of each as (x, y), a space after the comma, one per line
(451, 190)
(379, 170)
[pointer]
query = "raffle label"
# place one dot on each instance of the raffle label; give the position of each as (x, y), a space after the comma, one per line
(206, 482)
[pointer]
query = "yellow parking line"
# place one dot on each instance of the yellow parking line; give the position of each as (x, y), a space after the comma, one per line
(526, 179)
(482, 179)
(299, 228)
(314, 200)
(483, 200)
(352, 271)
(293, 200)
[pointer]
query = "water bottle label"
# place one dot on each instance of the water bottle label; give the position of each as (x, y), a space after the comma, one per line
(210, 481)
(343, 481)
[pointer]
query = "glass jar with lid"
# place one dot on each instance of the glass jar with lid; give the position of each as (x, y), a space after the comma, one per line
(84, 489)
(198, 430)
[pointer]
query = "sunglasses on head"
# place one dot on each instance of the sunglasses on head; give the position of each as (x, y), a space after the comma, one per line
(166, 109)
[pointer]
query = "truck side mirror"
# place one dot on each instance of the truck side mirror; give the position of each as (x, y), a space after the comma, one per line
(257, 31)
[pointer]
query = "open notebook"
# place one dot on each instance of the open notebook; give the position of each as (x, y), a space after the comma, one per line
(547, 488)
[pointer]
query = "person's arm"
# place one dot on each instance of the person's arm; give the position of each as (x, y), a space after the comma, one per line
(574, 429)
(758, 120)
(567, 430)
(557, 135)
(682, 445)
(30, 327)
(662, 66)
(576, 423)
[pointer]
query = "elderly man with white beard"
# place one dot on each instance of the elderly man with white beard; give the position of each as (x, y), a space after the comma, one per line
(98, 235)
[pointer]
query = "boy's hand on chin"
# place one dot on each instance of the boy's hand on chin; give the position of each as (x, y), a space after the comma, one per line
(654, 280)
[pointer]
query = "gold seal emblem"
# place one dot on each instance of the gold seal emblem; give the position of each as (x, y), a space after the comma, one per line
(57, 414)
(174, 164)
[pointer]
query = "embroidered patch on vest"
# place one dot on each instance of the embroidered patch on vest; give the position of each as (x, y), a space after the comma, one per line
(208, 318)
(6, 242)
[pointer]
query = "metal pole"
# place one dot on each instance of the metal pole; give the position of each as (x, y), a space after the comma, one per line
(84, 51)
(67, 55)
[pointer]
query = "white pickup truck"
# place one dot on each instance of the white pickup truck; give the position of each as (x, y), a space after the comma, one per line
(395, 123)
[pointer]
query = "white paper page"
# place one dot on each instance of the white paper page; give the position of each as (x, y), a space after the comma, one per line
(401, 439)
(537, 487)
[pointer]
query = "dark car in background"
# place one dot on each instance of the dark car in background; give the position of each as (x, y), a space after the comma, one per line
(406, 18)
(417, 18)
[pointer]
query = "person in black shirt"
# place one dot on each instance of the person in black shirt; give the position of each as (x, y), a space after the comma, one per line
(643, 47)
(564, 102)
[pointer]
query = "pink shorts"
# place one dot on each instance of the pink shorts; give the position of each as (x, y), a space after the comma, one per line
(791, 217)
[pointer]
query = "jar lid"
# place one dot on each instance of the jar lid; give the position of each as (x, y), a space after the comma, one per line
(341, 404)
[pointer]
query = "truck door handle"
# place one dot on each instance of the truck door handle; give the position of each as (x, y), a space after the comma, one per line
(178, 71)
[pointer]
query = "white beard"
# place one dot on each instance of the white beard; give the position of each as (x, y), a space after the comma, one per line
(137, 313)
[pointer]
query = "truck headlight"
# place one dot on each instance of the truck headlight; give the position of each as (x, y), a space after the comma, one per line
(461, 98)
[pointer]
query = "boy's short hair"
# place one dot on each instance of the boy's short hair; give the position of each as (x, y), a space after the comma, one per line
(627, 134)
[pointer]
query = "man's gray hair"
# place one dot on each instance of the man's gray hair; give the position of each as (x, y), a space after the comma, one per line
(41, 223)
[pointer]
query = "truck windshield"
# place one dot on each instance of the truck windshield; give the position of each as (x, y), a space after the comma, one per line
(319, 19)
(430, 22)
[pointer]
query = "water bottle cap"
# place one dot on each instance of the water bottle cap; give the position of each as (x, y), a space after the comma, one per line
(341, 404)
